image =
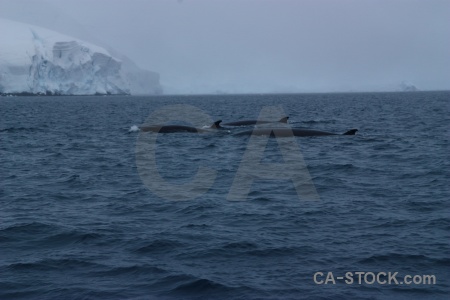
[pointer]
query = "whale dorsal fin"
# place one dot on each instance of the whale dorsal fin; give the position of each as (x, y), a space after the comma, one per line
(216, 124)
(284, 120)
(351, 132)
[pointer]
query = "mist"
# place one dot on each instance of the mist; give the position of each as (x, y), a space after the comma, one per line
(272, 46)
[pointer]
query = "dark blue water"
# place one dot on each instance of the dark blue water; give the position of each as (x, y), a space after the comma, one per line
(77, 221)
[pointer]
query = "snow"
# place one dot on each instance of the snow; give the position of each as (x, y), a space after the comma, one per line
(37, 60)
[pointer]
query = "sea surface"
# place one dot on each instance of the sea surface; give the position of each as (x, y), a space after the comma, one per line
(84, 216)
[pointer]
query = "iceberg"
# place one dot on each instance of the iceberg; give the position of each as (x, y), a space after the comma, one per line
(408, 87)
(35, 60)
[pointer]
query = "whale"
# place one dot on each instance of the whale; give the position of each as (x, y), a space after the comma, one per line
(287, 132)
(179, 128)
(255, 122)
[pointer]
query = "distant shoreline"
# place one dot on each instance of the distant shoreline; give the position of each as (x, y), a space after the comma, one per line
(28, 94)
(49, 94)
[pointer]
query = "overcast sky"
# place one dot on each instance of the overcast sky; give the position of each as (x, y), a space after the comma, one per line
(205, 46)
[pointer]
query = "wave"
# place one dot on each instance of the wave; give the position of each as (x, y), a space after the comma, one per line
(52, 264)
(159, 246)
(201, 288)
(396, 259)
(19, 129)
(28, 228)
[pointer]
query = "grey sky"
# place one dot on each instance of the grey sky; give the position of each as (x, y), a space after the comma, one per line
(203, 46)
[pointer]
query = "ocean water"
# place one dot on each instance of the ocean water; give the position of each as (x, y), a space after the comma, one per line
(83, 216)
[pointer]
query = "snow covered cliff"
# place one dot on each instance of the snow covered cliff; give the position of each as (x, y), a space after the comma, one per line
(34, 60)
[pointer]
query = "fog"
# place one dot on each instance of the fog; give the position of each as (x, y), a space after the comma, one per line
(231, 46)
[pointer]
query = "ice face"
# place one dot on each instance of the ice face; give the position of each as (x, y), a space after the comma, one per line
(72, 68)
(36, 60)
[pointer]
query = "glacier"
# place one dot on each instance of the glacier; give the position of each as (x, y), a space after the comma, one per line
(35, 60)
